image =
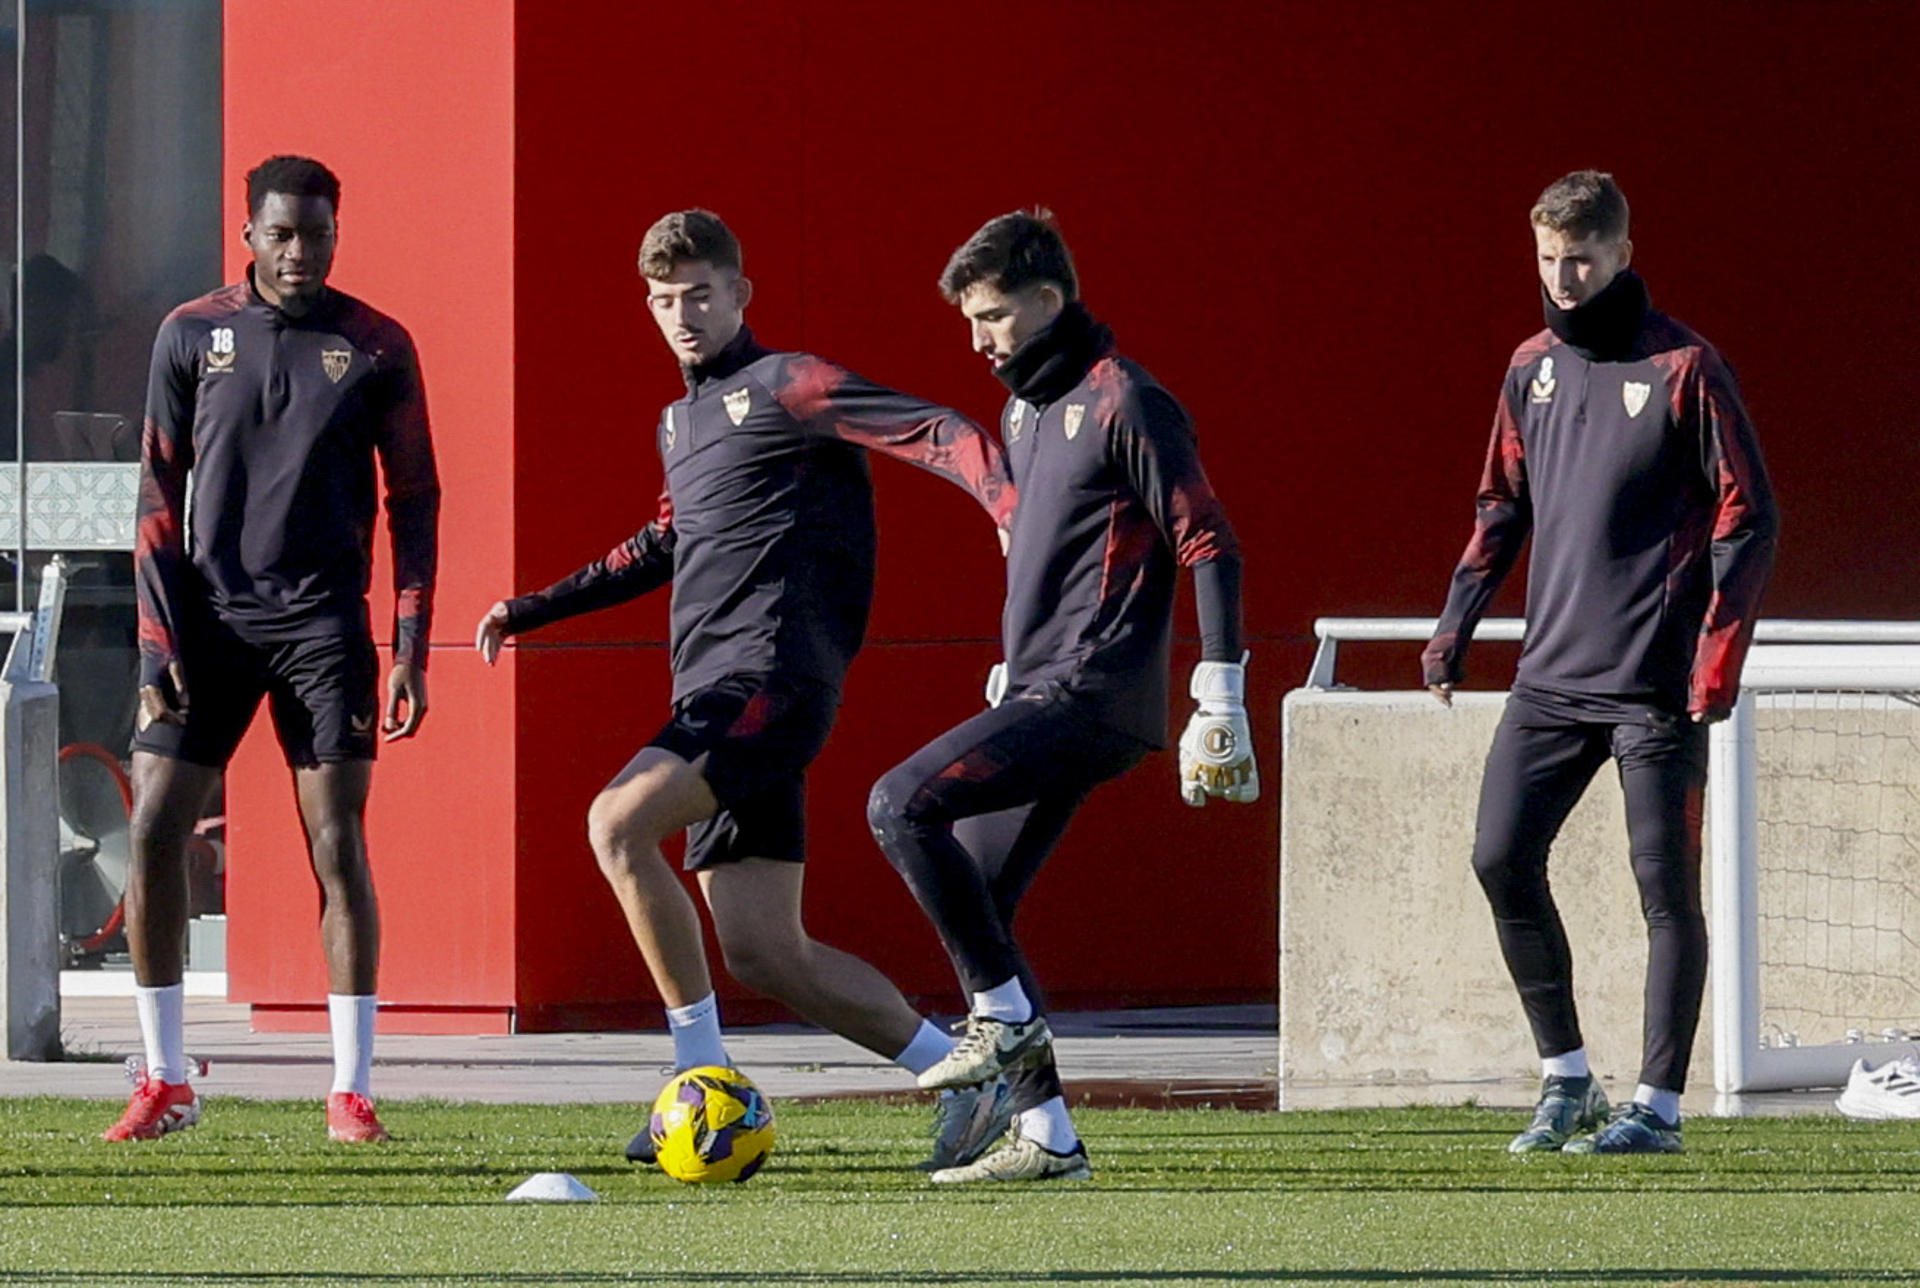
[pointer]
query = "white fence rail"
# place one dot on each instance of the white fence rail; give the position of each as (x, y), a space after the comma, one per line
(1331, 631)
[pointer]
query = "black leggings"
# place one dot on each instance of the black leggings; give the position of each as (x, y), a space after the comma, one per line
(1540, 764)
(968, 819)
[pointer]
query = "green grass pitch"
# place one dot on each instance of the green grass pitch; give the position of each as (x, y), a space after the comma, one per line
(257, 1196)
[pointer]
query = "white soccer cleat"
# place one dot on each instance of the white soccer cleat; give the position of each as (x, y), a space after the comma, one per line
(1021, 1159)
(988, 1049)
(1891, 1091)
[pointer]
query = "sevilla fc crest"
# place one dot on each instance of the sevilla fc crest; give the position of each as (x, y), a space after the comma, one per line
(738, 403)
(335, 363)
(1076, 412)
(1634, 394)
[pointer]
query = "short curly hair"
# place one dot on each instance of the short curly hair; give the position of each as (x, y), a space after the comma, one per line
(684, 236)
(295, 177)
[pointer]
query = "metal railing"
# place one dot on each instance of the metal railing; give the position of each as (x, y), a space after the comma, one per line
(1332, 630)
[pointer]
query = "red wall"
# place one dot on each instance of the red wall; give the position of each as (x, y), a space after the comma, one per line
(1311, 226)
(412, 105)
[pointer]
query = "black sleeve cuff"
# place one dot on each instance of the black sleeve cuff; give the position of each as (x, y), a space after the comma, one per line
(1216, 597)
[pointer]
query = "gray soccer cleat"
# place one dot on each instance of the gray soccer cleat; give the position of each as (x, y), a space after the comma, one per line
(1021, 1159)
(968, 1120)
(1568, 1107)
(1633, 1129)
(988, 1049)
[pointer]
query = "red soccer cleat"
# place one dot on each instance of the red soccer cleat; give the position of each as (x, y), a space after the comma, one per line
(156, 1108)
(350, 1118)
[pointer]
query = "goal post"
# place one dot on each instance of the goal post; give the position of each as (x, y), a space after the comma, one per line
(1820, 707)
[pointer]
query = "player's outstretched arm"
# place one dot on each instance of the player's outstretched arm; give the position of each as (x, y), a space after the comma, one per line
(830, 400)
(1746, 533)
(159, 554)
(1153, 442)
(405, 445)
(641, 563)
(1502, 518)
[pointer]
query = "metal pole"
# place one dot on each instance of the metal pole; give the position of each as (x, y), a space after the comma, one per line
(1734, 861)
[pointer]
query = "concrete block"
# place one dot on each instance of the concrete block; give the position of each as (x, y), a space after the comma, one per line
(29, 859)
(1389, 969)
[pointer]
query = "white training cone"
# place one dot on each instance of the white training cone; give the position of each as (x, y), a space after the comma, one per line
(551, 1187)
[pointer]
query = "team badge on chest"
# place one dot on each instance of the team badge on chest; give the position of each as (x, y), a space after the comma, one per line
(1076, 412)
(335, 363)
(738, 403)
(1634, 395)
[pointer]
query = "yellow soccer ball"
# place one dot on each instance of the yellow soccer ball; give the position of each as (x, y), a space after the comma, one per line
(711, 1124)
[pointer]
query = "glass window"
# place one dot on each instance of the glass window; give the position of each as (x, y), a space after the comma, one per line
(111, 216)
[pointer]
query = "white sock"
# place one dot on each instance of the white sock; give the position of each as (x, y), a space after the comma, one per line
(696, 1034)
(1048, 1126)
(930, 1045)
(1570, 1064)
(1006, 1001)
(350, 1020)
(1662, 1102)
(163, 1025)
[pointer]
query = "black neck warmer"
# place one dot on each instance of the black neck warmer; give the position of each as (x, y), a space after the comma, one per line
(1605, 326)
(1055, 360)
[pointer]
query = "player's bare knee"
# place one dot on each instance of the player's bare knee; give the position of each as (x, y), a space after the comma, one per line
(767, 965)
(619, 834)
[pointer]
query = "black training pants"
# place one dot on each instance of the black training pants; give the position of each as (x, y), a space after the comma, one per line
(1539, 765)
(968, 819)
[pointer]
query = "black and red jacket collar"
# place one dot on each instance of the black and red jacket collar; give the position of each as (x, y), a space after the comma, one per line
(321, 307)
(739, 352)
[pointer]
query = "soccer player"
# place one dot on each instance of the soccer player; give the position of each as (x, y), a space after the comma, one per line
(766, 534)
(1620, 444)
(267, 403)
(1112, 500)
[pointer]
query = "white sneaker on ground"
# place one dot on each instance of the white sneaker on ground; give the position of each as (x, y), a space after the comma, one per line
(1891, 1091)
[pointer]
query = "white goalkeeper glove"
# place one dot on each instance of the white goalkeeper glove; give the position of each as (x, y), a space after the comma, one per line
(1216, 751)
(997, 684)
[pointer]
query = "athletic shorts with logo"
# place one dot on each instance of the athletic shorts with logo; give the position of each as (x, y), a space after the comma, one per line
(323, 692)
(759, 733)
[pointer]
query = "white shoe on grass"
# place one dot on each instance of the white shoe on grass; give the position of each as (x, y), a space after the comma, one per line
(1022, 1159)
(1891, 1091)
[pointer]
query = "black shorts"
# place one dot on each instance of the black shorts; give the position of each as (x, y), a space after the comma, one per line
(759, 733)
(324, 692)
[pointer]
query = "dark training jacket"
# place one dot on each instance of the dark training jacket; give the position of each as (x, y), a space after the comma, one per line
(766, 528)
(1113, 501)
(276, 420)
(1621, 445)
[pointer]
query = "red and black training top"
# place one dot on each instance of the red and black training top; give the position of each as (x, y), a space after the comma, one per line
(1620, 443)
(766, 528)
(276, 420)
(1113, 501)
